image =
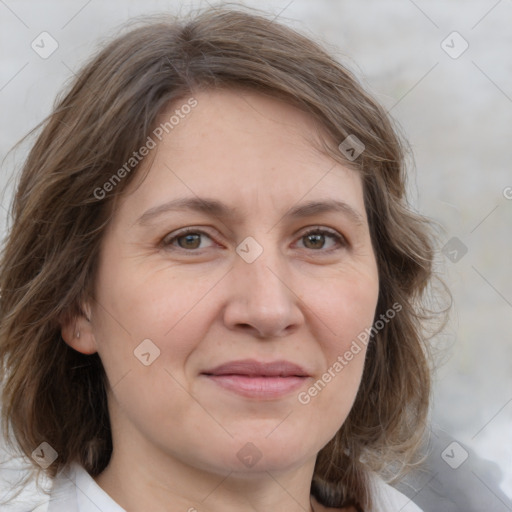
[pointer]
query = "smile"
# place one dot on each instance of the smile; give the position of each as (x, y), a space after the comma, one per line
(260, 380)
(258, 387)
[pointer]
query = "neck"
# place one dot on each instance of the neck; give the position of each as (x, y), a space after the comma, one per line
(164, 484)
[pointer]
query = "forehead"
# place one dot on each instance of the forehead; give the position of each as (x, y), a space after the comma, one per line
(235, 121)
(242, 147)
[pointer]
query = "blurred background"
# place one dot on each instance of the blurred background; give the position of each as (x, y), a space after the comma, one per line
(443, 70)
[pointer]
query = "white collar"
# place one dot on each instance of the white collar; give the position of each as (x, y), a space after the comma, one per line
(75, 490)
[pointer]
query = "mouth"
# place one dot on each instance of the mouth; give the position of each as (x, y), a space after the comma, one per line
(260, 380)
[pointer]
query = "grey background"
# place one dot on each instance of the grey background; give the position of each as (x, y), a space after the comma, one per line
(456, 113)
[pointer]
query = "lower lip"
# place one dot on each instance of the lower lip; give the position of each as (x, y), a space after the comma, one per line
(259, 387)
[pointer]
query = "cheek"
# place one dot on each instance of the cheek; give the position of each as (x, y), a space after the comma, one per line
(345, 310)
(171, 308)
(346, 303)
(135, 306)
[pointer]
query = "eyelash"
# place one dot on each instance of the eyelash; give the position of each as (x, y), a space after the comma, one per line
(339, 239)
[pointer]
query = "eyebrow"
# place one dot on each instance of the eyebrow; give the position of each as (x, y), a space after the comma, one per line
(218, 209)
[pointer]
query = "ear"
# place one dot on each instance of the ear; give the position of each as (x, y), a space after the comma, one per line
(77, 332)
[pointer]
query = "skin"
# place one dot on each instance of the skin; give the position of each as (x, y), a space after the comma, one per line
(176, 433)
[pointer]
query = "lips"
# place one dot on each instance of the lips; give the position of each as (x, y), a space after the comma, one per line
(253, 368)
(258, 380)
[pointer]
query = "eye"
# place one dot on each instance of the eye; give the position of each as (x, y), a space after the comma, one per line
(188, 239)
(317, 238)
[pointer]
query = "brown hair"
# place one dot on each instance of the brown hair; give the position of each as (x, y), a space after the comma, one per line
(53, 393)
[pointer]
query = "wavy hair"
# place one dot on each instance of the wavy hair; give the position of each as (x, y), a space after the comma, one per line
(49, 261)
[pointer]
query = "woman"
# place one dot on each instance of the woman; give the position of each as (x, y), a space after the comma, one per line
(211, 291)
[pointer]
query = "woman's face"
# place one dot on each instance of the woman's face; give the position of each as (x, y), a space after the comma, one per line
(213, 339)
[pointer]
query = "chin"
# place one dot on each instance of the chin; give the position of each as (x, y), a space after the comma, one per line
(253, 454)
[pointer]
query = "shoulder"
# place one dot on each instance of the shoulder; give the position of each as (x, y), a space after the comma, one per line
(72, 490)
(20, 491)
(48, 495)
(385, 499)
(388, 499)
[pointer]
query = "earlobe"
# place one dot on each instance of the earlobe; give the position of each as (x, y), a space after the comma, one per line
(78, 333)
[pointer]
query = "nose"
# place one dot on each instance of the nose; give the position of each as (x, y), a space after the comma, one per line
(262, 300)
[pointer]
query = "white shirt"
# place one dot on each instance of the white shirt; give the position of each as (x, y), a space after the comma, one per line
(74, 490)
